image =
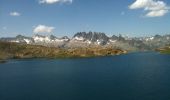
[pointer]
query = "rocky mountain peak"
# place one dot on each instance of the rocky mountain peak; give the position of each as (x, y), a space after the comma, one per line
(99, 38)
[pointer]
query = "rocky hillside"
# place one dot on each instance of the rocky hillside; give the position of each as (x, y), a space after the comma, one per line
(17, 50)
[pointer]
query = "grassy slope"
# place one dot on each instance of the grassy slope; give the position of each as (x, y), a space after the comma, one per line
(165, 50)
(14, 50)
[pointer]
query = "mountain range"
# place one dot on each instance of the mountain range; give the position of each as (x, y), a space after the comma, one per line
(95, 39)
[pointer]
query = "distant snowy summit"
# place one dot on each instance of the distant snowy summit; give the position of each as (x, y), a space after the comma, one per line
(90, 39)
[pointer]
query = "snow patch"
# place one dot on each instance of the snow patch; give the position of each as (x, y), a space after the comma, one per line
(79, 38)
(27, 41)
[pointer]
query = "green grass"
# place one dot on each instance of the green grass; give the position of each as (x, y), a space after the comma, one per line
(165, 50)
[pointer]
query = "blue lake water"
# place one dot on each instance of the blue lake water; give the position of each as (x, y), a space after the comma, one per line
(135, 76)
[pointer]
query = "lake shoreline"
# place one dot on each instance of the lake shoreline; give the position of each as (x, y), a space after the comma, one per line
(76, 57)
(49, 58)
(23, 51)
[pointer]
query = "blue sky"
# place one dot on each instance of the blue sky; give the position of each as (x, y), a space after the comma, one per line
(66, 17)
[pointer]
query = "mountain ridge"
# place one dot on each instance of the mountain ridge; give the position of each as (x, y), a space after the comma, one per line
(93, 39)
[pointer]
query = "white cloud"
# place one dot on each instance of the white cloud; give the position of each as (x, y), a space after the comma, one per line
(55, 1)
(43, 29)
(154, 8)
(15, 13)
(156, 13)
